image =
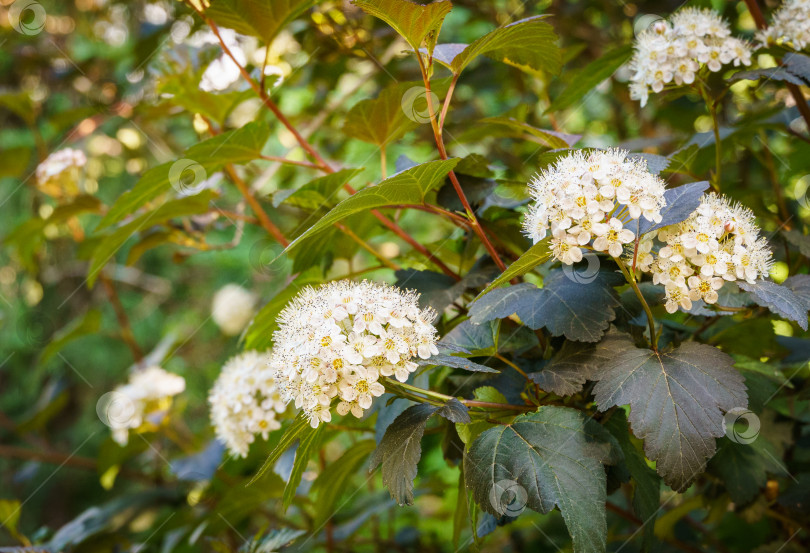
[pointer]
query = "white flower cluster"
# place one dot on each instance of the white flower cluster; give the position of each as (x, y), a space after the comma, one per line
(718, 242)
(673, 51)
(590, 196)
(232, 308)
(57, 175)
(335, 341)
(149, 391)
(245, 401)
(790, 26)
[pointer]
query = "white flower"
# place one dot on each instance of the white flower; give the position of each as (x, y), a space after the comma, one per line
(612, 238)
(148, 392)
(718, 242)
(790, 26)
(58, 175)
(585, 197)
(245, 402)
(670, 52)
(335, 341)
(232, 308)
(676, 296)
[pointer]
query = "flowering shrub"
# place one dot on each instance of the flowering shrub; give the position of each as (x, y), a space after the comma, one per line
(381, 276)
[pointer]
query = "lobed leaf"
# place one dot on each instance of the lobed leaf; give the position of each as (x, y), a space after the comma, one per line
(553, 457)
(416, 23)
(260, 18)
(677, 400)
(779, 299)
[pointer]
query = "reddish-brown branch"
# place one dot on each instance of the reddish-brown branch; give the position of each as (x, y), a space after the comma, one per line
(437, 135)
(795, 91)
(264, 220)
(320, 163)
(123, 321)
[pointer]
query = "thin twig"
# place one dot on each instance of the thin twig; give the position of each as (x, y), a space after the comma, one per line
(123, 320)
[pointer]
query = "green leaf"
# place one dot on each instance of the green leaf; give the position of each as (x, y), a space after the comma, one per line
(551, 139)
(416, 23)
(590, 76)
(529, 44)
(677, 400)
(10, 510)
(309, 442)
(316, 194)
(408, 187)
(454, 362)
(552, 457)
(533, 257)
(744, 467)
(260, 18)
(477, 339)
(88, 324)
(801, 241)
(399, 108)
(109, 246)
(681, 202)
(569, 369)
(299, 429)
(333, 480)
(400, 449)
(237, 146)
(646, 483)
(274, 541)
(579, 311)
(13, 161)
(779, 299)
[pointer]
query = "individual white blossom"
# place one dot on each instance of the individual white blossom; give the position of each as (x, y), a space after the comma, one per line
(670, 53)
(589, 197)
(718, 242)
(58, 175)
(790, 26)
(245, 401)
(232, 308)
(335, 341)
(148, 392)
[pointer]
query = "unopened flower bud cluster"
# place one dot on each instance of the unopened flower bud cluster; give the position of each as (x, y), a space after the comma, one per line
(790, 25)
(719, 242)
(148, 391)
(245, 401)
(672, 52)
(335, 341)
(586, 198)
